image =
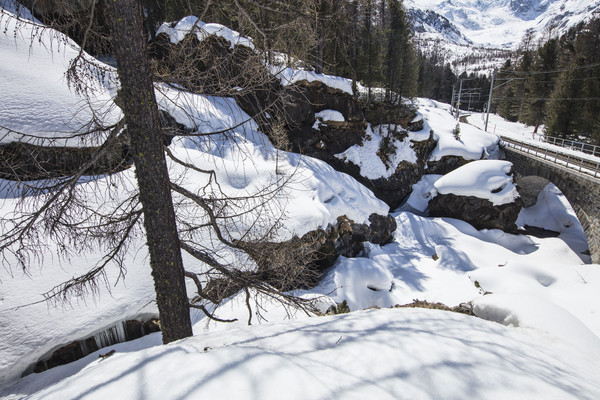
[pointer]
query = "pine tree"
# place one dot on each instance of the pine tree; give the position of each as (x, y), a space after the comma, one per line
(539, 85)
(563, 113)
(574, 105)
(588, 46)
(508, 104)
(401, 58)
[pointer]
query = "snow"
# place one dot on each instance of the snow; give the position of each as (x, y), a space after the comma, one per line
(368, 354)
(553, 212)
(473, 143)
(482, 33)
(418, 200)
(288, 76)
(330, 115)
(485, 179)
(314, 194)
(525, 134)
(497, 24)
(527, 311)
(363, 283)
(322, 117)
(37, 104)
(366, 155)
(192, 24)
(541, 340)
(245, 162)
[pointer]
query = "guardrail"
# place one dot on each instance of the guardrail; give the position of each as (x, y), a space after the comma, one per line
(571, 144)
(581, 164)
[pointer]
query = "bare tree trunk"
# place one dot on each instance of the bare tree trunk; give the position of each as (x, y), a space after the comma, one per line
(319, 26)
(141, 115)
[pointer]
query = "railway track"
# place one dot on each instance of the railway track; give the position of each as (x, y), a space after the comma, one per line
(582, 164)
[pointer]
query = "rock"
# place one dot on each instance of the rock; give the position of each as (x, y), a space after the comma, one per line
(209, 66)
(480, 213)
(529, 188)
(382, 229)
(80, 348)
(292, 109)
(446, 165)
(299, 262)
(22, 161)
(381, 112)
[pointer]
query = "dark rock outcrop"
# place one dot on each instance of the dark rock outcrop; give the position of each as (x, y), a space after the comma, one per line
(323, 247)
(221, 69)
(348, 237)
(298, 263)
(23, 161)
(128, 330)
(379, 112)
(446, 165)
(480, 213)
(398, 186)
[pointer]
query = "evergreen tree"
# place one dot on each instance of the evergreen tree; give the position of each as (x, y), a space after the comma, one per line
(524, 66)
(563, 112)
(574, 105)
(588, 46)
(539, 85)
(369, 59)
(401, 59)
(508, 105)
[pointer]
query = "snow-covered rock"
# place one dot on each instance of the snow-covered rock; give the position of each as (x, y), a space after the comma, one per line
(485, 179)
(481, 193)
(192, 25)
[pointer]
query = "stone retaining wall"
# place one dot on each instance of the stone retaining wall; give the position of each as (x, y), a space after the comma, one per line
(582, 191)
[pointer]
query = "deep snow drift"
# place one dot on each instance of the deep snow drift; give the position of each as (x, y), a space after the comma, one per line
(378, 354)
(542, 340)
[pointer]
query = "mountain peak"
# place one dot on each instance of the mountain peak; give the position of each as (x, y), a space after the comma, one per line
(496, 24)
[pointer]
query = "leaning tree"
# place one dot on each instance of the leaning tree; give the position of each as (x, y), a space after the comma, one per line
(55, 206)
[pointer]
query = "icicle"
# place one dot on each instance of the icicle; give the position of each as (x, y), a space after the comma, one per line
(84, 348)
(112, 335)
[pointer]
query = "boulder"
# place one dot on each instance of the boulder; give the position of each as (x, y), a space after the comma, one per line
(383, 112)
(446, 165)
(480, 213)
(298, 263)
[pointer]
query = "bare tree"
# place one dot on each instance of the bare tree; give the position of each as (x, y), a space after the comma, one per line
(76, 222)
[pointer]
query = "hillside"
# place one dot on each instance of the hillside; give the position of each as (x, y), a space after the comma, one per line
(527, 324)
(497, 24)
(488, 31)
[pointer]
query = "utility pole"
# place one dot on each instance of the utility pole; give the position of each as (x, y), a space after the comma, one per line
(458, 101)
(487, 118)
(452, 101)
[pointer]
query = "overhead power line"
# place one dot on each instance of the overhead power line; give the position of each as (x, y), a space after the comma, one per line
(529, 73)
(546, 98)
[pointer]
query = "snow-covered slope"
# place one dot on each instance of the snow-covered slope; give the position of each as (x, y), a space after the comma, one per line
(479, 35)
(377, 354)
(245, 163)
(37, 104)
(547, 298)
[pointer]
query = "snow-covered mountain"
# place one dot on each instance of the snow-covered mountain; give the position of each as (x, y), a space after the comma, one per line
(496, 23)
